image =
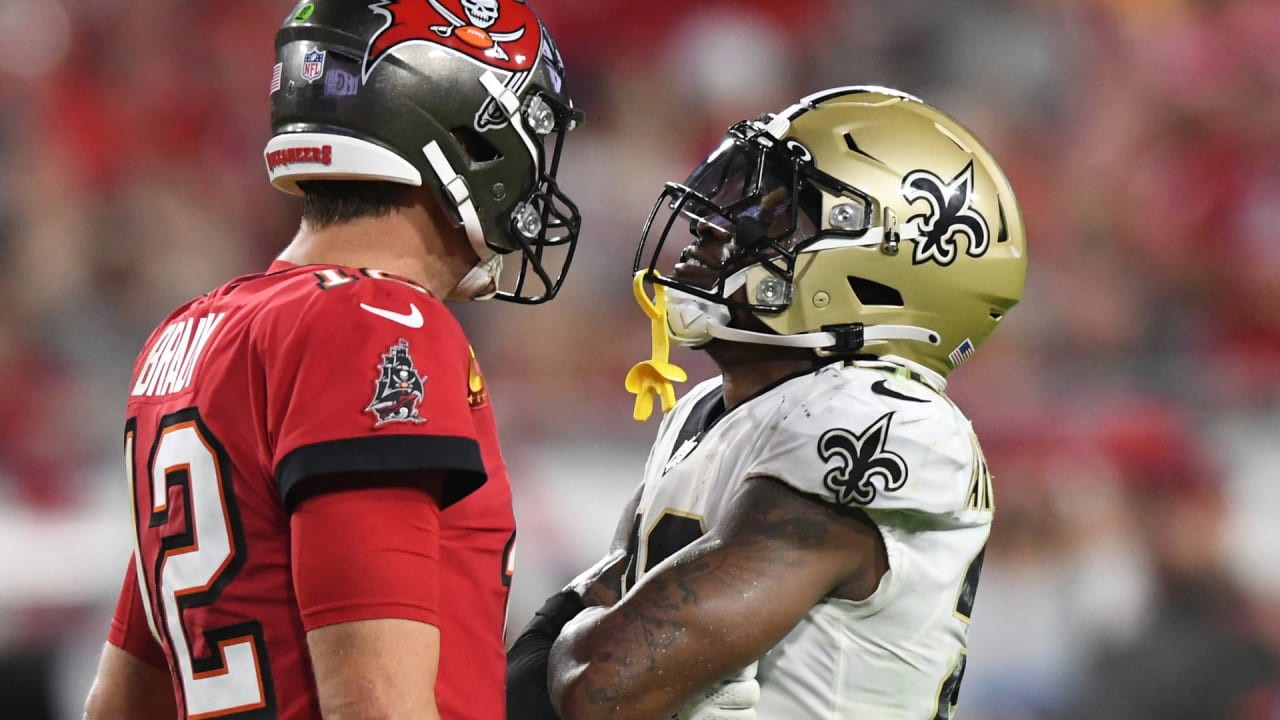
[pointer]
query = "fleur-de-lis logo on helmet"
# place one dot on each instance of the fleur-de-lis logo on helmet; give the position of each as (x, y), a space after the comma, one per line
(949, 213)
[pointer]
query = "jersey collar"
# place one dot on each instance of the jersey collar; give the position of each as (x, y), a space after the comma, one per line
(909, 368)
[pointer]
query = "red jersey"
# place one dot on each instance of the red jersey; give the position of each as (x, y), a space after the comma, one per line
(239, 402)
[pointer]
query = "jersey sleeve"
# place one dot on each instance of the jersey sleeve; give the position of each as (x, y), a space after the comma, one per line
(129, 628)
(369, 377)
(868, 452)
(366, 554)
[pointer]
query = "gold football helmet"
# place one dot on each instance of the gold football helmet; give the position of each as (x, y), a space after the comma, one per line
(859, 221)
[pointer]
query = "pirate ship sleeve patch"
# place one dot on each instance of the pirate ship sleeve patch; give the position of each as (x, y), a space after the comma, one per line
(398, 391)
(371, 377)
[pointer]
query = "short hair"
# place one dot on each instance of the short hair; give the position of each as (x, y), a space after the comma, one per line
(331, 202)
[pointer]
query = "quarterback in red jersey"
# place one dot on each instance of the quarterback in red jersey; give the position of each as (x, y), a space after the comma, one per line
(322, 514)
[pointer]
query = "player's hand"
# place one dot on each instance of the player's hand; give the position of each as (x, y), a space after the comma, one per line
(527, 660)
(733, 698)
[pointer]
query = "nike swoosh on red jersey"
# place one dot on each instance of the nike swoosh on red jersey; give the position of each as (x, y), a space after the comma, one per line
(411, 319)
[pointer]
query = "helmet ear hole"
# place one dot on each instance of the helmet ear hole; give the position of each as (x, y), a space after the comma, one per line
(476, 147)
(870, 292)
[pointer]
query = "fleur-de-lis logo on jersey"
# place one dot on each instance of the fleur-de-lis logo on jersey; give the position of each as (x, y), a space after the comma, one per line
(860, 460)
(949, 213)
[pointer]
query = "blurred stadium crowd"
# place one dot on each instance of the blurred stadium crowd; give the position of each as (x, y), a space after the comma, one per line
(1130, 412)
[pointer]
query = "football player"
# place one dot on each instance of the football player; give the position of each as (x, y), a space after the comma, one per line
(323, 517)
(809, 533)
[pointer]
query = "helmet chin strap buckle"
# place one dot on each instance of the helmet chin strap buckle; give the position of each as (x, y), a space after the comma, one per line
(848, 338)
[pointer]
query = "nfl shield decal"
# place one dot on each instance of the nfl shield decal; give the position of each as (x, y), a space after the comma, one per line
(398, 390)
(313, 65)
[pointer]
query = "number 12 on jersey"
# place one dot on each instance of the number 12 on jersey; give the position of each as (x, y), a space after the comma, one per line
(200, 551)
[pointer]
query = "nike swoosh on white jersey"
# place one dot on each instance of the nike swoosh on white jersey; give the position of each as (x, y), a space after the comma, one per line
(411, 319)
(880, 387)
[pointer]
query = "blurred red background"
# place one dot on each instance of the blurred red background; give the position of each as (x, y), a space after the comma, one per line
(1130, 410)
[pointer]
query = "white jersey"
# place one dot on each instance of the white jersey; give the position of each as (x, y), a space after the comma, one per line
(864, 435)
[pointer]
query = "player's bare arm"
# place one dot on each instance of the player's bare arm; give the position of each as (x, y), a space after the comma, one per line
(774, 556)
(376, 669)
(127, 688)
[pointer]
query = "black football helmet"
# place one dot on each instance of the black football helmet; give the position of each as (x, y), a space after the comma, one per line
(464, 96)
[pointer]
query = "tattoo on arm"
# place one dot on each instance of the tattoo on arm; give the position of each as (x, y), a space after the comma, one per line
(675, 609)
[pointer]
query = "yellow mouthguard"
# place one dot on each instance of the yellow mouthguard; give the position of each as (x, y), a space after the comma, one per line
(653, 376)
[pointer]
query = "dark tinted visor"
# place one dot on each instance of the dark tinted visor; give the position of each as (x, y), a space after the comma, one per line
(743, 182)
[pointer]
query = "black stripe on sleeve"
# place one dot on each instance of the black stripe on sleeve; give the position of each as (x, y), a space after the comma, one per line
(458, 456)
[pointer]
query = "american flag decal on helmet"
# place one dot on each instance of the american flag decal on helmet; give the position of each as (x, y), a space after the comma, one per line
(961, 355)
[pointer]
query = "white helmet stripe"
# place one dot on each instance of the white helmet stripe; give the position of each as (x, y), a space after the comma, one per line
(508, 100)
(781, 122)
(510, 104)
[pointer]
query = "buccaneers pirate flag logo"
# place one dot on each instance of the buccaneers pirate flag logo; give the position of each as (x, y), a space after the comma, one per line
(501, 34)
(504, 34)
(398, 391)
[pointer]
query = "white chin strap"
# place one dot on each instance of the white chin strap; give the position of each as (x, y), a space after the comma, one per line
(456, 190)
(693, 321)
(480, 282)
